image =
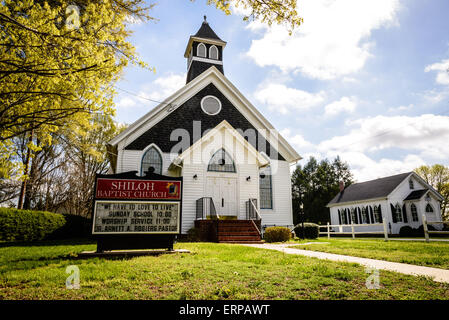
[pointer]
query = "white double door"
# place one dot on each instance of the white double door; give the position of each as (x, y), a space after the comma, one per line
(223, 191)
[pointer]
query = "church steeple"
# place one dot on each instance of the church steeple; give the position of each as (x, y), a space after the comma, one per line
(204, 49)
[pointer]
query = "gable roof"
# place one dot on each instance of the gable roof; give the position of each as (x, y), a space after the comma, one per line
(211, 75)
(224, 125)
(373, 189)
(417, 194)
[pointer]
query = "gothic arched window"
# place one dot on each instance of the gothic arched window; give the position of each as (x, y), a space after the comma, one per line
(151, 159)
(221, 161)
(213, 53)
(201, 50)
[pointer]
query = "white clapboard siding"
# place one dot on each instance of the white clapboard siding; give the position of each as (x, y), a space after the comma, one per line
(248, 189)
(192, 191)
(281, 214)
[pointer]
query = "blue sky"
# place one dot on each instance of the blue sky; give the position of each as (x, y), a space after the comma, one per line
(365, 80)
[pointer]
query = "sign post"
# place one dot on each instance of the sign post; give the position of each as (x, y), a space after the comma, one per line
(132, 212)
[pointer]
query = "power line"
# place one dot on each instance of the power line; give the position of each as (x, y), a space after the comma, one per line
(145, 98)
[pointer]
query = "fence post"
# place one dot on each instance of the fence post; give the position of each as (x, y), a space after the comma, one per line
(426, 230)
(328, 231)
(352, 229)
(385, 230)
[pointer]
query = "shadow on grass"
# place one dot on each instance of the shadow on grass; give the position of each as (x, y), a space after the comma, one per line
(48, 243)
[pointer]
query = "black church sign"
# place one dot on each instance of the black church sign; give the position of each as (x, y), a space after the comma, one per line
(132, 212)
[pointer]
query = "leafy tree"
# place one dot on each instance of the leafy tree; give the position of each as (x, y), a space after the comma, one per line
(59, 59)
(269, 12)
(314, 185)
(438, 177)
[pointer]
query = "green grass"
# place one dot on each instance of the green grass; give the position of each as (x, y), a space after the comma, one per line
(211, 271)
(432, 254)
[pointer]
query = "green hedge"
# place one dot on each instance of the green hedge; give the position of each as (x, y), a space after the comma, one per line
(311, 230)
(28, 225)
(277, 234)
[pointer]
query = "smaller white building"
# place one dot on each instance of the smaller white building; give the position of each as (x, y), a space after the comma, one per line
(400, 200)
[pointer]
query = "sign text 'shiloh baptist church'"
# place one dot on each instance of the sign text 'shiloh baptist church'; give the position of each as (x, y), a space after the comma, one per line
(234, 164)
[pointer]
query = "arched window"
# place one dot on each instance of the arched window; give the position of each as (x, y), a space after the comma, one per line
(213, 52)
(151, 159)
(414, 212)
(377, 214)
(201, 50)
(365, 218)
(429, 208)
(410, 183)
(221, 161)
(398, 212)
(265, 188)
(353, 216)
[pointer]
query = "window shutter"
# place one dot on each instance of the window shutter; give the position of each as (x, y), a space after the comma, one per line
(380, 213)
(393, 213)
(404, 213)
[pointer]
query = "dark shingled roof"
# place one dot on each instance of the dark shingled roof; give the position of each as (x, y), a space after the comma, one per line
(206, 32)
(370, 189)
(417, 194)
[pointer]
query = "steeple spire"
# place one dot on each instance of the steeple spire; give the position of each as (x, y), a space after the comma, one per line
(204, 50)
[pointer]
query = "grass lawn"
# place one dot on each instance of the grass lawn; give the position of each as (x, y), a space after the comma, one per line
(211, 271)
(432, 254)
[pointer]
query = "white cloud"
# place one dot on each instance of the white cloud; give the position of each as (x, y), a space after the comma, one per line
(345, 104)
(365, 168)
(442, 69)
(426, 134)
(126, 102)
(163, 87)
(296, 140)
(402, 108)
(157, 90)
(333, 41)
(280, 98)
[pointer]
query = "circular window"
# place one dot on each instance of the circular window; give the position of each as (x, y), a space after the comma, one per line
(211, 105)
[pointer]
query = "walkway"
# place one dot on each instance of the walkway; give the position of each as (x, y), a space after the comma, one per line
(439, 275)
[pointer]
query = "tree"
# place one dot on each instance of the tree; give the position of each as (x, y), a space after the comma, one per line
(438, 177)
(314, 185)
(269, 12)
(59, 60)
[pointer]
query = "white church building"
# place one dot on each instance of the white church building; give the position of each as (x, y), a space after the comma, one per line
(399, 200)
(234, 164)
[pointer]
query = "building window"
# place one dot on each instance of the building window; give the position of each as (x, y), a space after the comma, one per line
(213, 52)
(151, 160)
(221, 161)
(265, 188)
(429, 208)
(414, 211)
(398, 213)
(410, 183)
(353, 216)
(377, 214)
(211, 105)
(365, 219)
(201, 50)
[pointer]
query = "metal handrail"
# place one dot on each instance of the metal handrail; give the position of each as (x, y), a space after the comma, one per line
(249, 215)
(204, 206)
(255, 209)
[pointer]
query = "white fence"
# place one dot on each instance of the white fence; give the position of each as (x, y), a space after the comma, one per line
(426, 228)
(340, 227)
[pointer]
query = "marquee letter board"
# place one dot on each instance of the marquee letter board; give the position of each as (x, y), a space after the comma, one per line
(132, 212)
